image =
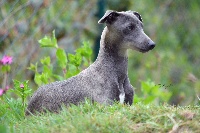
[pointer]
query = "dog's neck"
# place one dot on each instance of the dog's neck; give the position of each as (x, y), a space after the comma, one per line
(110, 52)
(111, 43)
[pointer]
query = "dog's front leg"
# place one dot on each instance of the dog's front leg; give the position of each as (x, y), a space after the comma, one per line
(129, 92)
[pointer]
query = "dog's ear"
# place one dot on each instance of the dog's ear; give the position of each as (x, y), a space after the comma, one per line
(138, 15)
(109, 17)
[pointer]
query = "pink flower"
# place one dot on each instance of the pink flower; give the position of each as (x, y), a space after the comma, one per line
(1, 92)
(6, 60)
(21, 86)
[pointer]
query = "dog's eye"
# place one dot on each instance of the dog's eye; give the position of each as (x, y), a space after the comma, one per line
(131, 27)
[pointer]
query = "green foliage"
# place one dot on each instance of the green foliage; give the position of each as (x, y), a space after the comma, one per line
(46, 75)
(75, 59)
(33, 67)
(5, 68)
(14, 108)
(62, 58)
(46, 61)
(70, 64)
(49, 41)
(22, 90)
(85, 51)
(152, 93)
(72, 70)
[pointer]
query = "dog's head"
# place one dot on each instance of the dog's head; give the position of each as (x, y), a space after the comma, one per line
(128, 26)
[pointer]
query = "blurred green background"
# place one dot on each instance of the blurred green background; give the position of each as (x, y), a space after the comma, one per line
(173, 25)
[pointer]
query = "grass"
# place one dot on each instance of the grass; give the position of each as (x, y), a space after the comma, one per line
(104, 119)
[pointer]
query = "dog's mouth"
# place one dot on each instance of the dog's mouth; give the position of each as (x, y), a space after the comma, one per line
(143, 50)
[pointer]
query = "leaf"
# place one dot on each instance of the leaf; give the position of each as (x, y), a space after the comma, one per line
(46, 61)
(37, 79)
(137, 99)
(48, 41)
(54, 40)
(145, 88)
(5, 68)
(58, 77)
(33, 67)
(47, 71)
(75, 59)
(85, 50)
(155, 90)
(149, 99)
(62, 58)
(16, 84)
(72, 71)
(44, 78)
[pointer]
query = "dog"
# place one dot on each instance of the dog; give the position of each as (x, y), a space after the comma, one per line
(106, 80)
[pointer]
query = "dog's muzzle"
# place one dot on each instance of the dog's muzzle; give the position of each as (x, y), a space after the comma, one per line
(151, 45)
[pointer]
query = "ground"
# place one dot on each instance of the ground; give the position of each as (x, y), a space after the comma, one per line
(117, 118)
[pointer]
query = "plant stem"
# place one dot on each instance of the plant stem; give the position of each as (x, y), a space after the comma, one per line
(5, 80)
(64, 72)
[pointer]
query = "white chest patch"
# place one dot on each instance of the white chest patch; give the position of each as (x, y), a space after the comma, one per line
(121, 97)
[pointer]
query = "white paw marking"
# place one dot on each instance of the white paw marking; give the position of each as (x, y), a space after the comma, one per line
(121, 97)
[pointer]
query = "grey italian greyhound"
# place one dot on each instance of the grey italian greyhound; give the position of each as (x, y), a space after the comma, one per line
(106, 80)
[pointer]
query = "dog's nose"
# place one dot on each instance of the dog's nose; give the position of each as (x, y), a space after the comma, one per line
(151, 45)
